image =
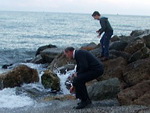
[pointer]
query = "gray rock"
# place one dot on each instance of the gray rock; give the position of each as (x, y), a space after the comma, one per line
(118, 45)
(43, 48)
(96, 51)
(37, 60)
(134, 46)
(127, 39)
(114, 38)
(122, 54)
(60, 61)
(65, 68)
(48, 55)
(147, 40)
(140, 54)
(140, 33)
(104, 90)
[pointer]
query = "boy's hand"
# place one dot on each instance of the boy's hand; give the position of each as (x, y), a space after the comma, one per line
(98, 36)
(97, 31)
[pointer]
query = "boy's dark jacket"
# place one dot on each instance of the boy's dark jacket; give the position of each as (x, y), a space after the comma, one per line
(105, 25)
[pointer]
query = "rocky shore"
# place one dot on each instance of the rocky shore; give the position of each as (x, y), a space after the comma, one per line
(123, 88)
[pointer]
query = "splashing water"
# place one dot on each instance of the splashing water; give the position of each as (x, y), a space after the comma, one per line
(63, 78)
(9, 99)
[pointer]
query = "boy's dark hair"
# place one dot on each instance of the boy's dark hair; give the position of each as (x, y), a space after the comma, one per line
(69, 49)
(96, 13)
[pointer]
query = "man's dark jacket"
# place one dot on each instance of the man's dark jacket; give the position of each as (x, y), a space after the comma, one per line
(87, 62)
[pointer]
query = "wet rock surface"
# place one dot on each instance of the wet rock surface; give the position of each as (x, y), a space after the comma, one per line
(19, 75)
(50, 80)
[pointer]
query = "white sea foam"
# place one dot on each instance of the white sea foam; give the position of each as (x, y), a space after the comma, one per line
(63, 78)
(9, 99)
(38, 67)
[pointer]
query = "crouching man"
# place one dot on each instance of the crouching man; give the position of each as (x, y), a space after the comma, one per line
(88, 68)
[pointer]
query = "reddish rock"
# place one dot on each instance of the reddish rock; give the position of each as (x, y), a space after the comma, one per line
(137, 72)
(89, 46)
(138, 94)
(114, 68)
(18, 76)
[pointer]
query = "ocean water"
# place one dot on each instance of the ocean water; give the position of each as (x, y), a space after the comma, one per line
(22, 33)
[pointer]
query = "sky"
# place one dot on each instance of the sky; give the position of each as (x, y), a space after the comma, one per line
(122, 7)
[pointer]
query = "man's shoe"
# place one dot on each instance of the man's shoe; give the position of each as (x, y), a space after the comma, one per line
(104, 59)
(88, 102)
(81, 105)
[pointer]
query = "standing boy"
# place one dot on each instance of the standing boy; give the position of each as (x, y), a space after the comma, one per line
(108, 32)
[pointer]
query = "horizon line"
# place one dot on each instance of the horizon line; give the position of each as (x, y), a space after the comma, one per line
(73, 13)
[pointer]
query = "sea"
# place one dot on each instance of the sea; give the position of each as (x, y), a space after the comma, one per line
(22, 33)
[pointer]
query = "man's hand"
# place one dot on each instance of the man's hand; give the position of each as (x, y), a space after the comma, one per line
(98, 36)
(74, 75)
(72, 89)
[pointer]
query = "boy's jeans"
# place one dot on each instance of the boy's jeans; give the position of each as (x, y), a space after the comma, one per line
(105, 40)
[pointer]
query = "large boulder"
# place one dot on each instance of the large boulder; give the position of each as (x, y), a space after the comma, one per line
(115, 54)
(44, 47)
(50, 80)
(96, 52)
(140, 33)
(48, 55)
(60, 61)
(114, 68)
(107, 89)
(138, 94)
(135, 46)
(147, 40)
(127, 39)
(89, 46)
(37, 60)
(45, 54)
(114, 38)
(118, 45)
(137, 72)
(19, 75)
(140, 54)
